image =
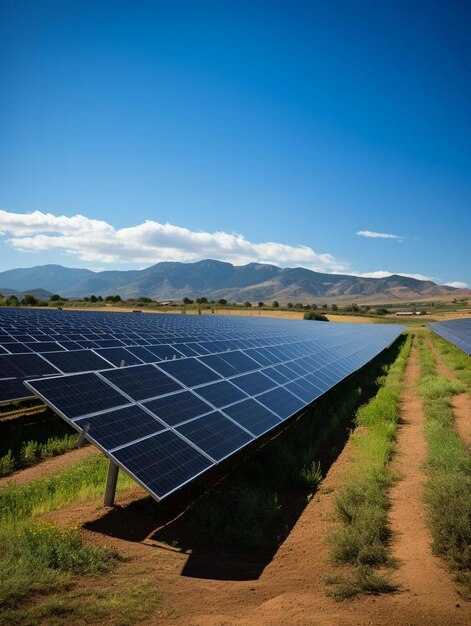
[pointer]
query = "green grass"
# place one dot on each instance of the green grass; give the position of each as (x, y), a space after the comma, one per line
(84, 480)
(448, 489)
(33, 452)
(456, 359)
(41, 562)
(361, 539)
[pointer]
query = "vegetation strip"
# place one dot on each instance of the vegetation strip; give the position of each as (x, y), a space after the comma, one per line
(38, 559)
(448, 489)
(361, 541)
(455, 359)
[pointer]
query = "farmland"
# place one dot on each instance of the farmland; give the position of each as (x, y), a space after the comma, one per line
(333, 522)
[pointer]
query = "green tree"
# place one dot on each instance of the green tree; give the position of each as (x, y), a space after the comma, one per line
(29, 300)
(298, 305)
(260, 304)
(187, 301)
(222, 301)
(12, 301)
(335, 307)
(93, 298)
(290, 305)
(55, 297)
(202, 300)
(313, 307)
(275, 304)
(247, 304)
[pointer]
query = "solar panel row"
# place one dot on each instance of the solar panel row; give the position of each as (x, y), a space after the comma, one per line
(236, 378)
(458, 332)
(27, 349)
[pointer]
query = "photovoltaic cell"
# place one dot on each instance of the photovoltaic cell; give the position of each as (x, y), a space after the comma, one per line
(76, 361)
(252, 416)
(189, 371)
(118, 427)
(141, 381)
(163, 462)
(178, 407)
(79, 395)
(221, 393)
(215, 434)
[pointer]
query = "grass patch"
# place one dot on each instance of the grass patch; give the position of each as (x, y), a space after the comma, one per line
(361, 540)
(448, 489)
(455, 359)
(85, 480)
(40, 564)
(125, 607)
(33, 452)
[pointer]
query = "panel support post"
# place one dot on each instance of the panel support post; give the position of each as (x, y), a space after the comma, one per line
(111, 480)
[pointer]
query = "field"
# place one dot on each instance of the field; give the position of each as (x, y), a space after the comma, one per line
(358, 512)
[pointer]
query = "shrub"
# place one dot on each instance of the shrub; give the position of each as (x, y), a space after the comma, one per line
(318, 317)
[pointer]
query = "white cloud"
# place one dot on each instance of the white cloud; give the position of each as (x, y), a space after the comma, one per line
(97, 241)
(372, 235)
(458, 284)
(385, 274)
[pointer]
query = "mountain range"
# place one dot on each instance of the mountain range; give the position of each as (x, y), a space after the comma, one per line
(215, 279)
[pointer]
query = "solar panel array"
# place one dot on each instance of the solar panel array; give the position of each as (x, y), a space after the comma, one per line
(458, 332)
(208, 386)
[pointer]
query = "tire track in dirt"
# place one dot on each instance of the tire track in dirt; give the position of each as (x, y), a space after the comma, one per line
(461, 403)
(420, 574)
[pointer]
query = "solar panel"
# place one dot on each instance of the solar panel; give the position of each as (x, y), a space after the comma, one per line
(215, 434)
(162, 463)
(457, 332)
(79, 395)
(178, 407)
(120, 426)
(234, 379)
(141, 381)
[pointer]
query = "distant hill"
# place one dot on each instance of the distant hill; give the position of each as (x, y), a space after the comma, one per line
(215, 279)
(42, 294)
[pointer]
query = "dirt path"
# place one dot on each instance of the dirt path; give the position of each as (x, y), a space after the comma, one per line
(421, 574)
(47, 468)
(461, 403)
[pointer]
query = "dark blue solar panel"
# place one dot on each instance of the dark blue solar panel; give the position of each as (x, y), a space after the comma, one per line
(178, 407)
(120, 426)
(13, 389)
(221, 393)
(458, 332)
(281, 402)
(164, 352)
(215, 434)
(252, 416)
(141, 381)
(253, 383)
(143, 354)
(162, 463)
(78, 395)
(118, 356)
(230, 363)
(76, 361)
(16, 348)
(189, 371)
(24, 365)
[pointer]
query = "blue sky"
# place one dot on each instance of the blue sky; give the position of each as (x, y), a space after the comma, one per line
(244, 131)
